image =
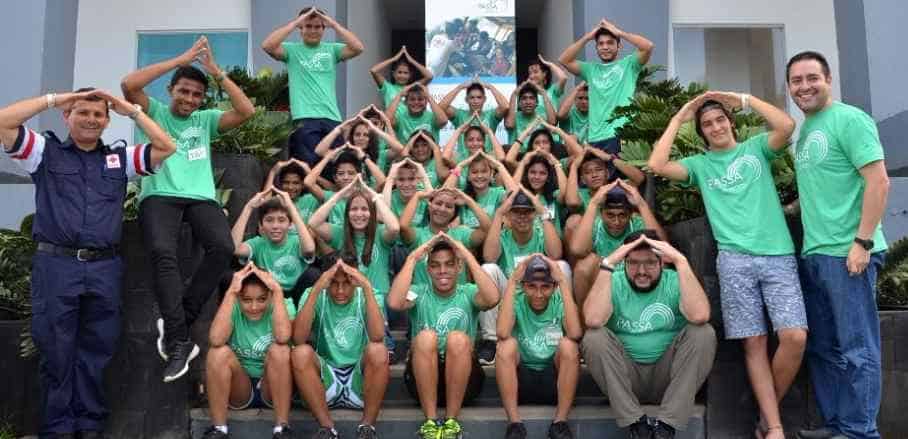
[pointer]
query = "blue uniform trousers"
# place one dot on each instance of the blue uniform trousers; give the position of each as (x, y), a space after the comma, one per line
(75, 326)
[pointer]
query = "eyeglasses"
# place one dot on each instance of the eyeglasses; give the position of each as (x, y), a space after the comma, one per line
(649, 264)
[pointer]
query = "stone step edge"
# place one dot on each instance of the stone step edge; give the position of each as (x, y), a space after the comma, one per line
(467, 414)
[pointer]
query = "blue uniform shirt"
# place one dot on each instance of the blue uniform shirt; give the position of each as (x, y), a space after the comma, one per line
(78, 194)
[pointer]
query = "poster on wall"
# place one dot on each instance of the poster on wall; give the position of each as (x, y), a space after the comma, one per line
(469, 39)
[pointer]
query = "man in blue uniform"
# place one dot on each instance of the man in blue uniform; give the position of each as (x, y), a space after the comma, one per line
(80, 185)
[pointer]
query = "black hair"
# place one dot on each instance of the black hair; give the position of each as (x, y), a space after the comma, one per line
(807, 55)
(475, 86)
(347, 157)
(527, 88)
(269, 206)
(372, 147)
(544, 68)
(253, 279)
(349, 246)
(551, 182)
(191, 73)
(309, 8)
(603, 31)
(469, 189)
(92, 98)
(291, 168)
(415, 75)
(713, 105)
(649, 233)
(441, 246)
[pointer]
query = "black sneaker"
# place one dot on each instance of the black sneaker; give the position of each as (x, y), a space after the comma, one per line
(285, 433)
(366, 432)
(640, 429)
(560, 430)
(486, 352)
(159, 324)
(516, 430)
(181, 354)
(662, 430)
(325, 433)
(214, 433)
(819, 433)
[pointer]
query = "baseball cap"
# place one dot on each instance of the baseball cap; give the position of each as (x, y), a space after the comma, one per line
(616, 198)
(522, 201)
(538, 270)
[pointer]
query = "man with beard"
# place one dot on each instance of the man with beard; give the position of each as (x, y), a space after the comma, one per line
(443, 315)
(843, 186)
(649, 340)
(183, 191)
(611, 83)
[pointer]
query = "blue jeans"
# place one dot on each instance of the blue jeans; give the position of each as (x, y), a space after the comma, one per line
(843, 348)
(305, 138)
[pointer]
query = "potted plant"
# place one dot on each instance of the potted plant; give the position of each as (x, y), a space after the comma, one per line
(19, 408)
(892, 299)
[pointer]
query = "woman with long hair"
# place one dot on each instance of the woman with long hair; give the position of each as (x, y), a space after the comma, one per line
(541, 173)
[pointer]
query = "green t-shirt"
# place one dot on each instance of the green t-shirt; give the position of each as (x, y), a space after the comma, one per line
(398, 205)
(337, 212)
(488, 117)
(407, 124)
(488, 201)
(512, 252)
(431, 172)
(457, 312)
(378, 270)
(339, 331)
(833, 146)
(604, 243)
(554, 209)
(187, 173)
(554, 92)
(312, 72)
(741, 200)
(306, 205)
(538, 335)
(521, 121)
(250, 339)
(282, 260)
(577, 123)
(585, 197)
(424, 233)
(646, 323)
(389, 91)
(610, 85)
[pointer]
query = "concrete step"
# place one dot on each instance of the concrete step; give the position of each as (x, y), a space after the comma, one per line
(396, 395)
(478, 423)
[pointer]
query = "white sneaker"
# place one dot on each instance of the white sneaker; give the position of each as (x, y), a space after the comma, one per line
(160, 325)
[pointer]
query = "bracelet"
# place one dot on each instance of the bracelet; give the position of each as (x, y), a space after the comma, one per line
(744, 103)
(51, 100)
(221, 76)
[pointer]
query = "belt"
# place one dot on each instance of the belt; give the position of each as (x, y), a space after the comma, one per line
(82, 254)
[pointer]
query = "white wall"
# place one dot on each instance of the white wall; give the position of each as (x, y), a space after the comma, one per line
(366, 18)
(106, 37)
(885, 24)
(556, 25)
(808, 24)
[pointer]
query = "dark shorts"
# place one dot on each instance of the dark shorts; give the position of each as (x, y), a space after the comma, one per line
(474, 383)
(305, 138)
(537, 386)
(256, 399)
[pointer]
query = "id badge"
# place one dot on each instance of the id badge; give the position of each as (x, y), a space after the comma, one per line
(197, 154)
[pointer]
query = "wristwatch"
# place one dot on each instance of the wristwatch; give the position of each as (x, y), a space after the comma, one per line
(866, 243)
(136, 111)
(604, 265)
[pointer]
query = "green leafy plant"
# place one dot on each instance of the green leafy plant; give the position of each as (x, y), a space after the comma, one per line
(650, 111)
(16, 251)
(892, 279)
(265, 88)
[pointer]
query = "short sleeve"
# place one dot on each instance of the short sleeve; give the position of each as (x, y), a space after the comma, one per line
(28, 149)
(585, 68)
(289, 47)
(291, 308)
(470, 291)
(255, 245)
(690, 163)
(155, 108)
(860, 140)
(337, 50)
(760, 144)
(213, 120)
(337, 236)
(632, 63)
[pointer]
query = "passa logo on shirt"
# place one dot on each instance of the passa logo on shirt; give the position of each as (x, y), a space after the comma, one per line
(347, 332)
(451, 318)
(286, 267)
(610, 78)
(654, 316)
(318, 62)
(258, 349)
(738, 175)
(544, 340)
(812, 151)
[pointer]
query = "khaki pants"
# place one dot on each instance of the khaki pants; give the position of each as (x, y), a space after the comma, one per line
(672, 381)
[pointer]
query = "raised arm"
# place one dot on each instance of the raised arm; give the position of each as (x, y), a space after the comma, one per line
(280, 321)
(325, 145)
(568, 57)
(162, 145)
(501, 102)
(649, 219)
(551, 240)
(510, 118)
(391, 111)
(659, 161)
(547, 103)
(441, 118)
(407, 231)
(491, 248)
(597, 309)
(353, 46)
(572, 193)
(564, 109)
(305, 315)
(272, 43)
(582, 242)
(307, 244)
(479, 233)
(504, 326)
(311, 180)
(319, 219)
(222, 324)
(559, 77)
(572, 327)
(448, 99)
(643, 45)
(694, 304)
(238, 231)
(133, 85)
(242, 108)
(426, 74)
(375, 323)
(385, 216)
(487, 293)
(397, 296)
(377, 71)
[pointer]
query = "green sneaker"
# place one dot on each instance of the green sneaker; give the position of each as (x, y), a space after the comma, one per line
(451, 429)
(429, 430)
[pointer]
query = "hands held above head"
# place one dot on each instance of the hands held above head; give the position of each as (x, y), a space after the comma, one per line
(633, 195)
(236, 282)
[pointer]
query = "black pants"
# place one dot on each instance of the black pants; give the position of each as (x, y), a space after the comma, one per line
(306, 136)
(161, 219)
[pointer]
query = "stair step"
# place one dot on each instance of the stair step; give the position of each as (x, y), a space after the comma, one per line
(586, 422)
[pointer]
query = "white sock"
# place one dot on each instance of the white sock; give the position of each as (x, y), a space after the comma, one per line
(278, 428)
(221, 428)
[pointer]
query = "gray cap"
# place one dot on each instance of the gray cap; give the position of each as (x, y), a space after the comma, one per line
(538, 270)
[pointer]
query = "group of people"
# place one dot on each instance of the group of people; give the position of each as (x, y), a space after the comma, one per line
(531, 256)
